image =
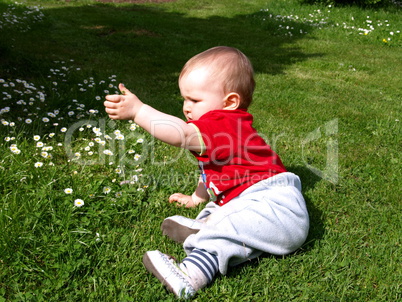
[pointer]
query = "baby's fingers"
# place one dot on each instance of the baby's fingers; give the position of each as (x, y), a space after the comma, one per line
(175, 197)
(182, 200)
(114, 98)
(111, 106)
(124, 90)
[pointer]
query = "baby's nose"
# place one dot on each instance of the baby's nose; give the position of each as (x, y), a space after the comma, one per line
(186, 106)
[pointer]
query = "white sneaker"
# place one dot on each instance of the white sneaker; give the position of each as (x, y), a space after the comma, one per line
(165, 268)
(179, 228)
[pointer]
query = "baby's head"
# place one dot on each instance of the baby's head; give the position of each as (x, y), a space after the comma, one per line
(229, 67)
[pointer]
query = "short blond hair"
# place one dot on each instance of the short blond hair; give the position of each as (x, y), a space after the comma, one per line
(228, 65)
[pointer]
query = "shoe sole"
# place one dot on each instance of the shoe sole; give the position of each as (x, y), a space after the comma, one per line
(146, 260)
(151, 268)
(176, 231)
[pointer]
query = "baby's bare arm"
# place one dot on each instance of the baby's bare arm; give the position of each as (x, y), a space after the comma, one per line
(165, 127)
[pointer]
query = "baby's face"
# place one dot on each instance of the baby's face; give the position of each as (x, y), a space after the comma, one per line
(200, 93)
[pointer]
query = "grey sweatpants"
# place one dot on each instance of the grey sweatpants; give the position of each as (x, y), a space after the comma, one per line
(270, 216)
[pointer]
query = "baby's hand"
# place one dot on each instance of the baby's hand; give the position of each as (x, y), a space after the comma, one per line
(122, 107)
(182, 200)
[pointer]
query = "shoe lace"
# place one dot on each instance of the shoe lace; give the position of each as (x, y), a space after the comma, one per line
(188, 289)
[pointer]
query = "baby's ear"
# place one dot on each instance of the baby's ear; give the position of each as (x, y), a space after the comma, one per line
(232, 101)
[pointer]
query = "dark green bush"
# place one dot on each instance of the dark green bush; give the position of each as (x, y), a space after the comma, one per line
(364, 3)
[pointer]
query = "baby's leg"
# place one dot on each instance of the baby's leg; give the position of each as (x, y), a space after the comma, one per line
(273, 220)
(178, 228)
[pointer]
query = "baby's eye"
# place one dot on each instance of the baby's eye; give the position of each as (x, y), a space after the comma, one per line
(191, 100)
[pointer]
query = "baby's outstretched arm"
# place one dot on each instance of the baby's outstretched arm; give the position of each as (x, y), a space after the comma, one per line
(165, 127)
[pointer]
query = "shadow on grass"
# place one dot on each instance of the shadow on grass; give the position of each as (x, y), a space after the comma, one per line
(145, 46)
(308, 180)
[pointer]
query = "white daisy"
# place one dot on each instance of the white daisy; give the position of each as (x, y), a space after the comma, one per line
(106, 190)
(14, 149)
(68, 191)
(78, 203)
(38, 164)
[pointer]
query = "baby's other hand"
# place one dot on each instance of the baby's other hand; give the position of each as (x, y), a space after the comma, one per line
(122, 107)
(182, 200)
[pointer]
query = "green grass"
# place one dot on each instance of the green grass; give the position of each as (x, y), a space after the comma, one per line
(328, 100)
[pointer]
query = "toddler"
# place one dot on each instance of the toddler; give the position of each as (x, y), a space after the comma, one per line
(255, 206)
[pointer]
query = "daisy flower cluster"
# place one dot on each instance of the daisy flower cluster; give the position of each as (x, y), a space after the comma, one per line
(370, 26)
(296, 24)
(287, 24)
(52, 127)
(20, 16)
(28, 104)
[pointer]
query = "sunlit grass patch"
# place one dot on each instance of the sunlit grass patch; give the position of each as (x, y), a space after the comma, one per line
(302, 22)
